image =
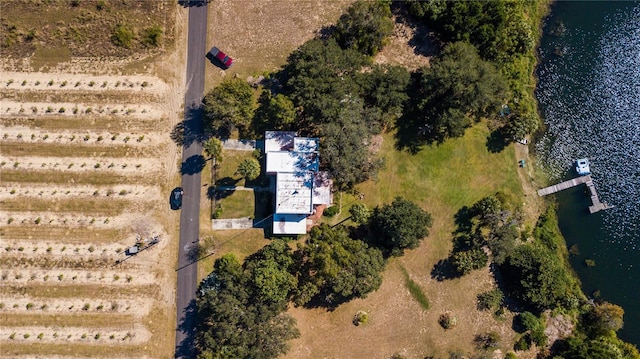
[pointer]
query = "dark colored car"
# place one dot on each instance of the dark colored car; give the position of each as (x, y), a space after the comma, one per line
(175, 201)
(222, 58)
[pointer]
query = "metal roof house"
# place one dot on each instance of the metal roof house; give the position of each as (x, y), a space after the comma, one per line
(299, 185)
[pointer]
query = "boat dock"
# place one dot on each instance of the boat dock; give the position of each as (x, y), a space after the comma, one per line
(596, 205)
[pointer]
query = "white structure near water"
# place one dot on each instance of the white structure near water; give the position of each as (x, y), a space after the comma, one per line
(299, 185)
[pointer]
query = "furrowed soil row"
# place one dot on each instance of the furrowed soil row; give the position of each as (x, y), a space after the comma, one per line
(76, 237)
(45, 247)
(71, 170)
(19, 149)
(46, 219)
(70, 109)
(51, 262)
(103, 123)
(64, 317)
(20, 134)
(75, 82)
(121, 336)
(66, 277)
(21, 190)
(54, 290)
(80, 308)
(53, 95)
(70, 350)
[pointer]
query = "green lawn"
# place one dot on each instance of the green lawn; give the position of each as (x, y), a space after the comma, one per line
(456, 173)
(237, 204)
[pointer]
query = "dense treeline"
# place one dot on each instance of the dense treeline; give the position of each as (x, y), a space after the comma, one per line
(240, 307)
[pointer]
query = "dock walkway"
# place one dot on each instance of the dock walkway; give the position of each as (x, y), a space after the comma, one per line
(596, 205)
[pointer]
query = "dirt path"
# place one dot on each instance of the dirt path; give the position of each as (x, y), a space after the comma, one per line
(97, 138)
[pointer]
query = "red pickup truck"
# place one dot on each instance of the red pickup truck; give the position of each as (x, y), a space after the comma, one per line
(224, 59)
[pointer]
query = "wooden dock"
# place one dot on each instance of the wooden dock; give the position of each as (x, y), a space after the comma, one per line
(596, 205)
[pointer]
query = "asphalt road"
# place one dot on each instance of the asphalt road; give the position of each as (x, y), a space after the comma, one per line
(191, 182)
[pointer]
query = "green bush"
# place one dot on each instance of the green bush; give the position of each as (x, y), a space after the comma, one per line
(524, 343)
(330, 211)
(152, 36)
(122, 36)
(360, 318)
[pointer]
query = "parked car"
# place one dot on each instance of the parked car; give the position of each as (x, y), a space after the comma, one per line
(175, 200)
(223, 58)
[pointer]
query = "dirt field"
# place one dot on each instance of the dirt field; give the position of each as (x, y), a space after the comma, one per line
(86, 168)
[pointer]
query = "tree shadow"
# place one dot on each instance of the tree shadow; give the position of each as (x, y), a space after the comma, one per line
(187, 325)
(462, 220)
(222, 194)
(191, 129)
(444, 270)
(192, 3)
(496, 142)
(194, 164)
(227, 182)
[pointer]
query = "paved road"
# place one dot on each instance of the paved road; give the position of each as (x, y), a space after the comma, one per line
(191, 183)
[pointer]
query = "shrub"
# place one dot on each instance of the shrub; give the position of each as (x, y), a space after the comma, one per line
(86, 307)
(490, 300)
(330, 211)
(122, 36)
(523, 343)
(40, 336)
(29, 306)
(487, 340)
(361, 317)
(447, 321)
(26, 335)
(151, 36)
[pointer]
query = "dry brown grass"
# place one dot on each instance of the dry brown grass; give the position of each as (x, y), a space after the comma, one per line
(69, 235)
(259, 35)
(71, 349)
(64, 150)
(118, 123)
(84, 291)
(57, 96)
(95, 178)
(63, 31)
(110, 320)
(102, 206)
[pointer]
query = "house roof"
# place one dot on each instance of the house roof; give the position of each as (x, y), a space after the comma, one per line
(289, 223)
(299, 186)
(294, 193)
(276, 141)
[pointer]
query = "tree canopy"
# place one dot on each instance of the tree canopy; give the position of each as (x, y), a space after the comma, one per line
(249, 169)
(229, 106)
(399, 225)
(213, 148)
(365, 27)
(335, 268)
(319, 76)
(457, 87)
(240, 306)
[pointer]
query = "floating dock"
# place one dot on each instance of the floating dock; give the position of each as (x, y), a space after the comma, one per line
(596, 205)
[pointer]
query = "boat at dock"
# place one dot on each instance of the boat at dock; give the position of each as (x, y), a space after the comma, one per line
(582, 167)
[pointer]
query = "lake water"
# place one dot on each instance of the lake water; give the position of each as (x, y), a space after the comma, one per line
(589, 92)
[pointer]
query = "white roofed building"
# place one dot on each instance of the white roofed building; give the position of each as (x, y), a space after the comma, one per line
(299, 185)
